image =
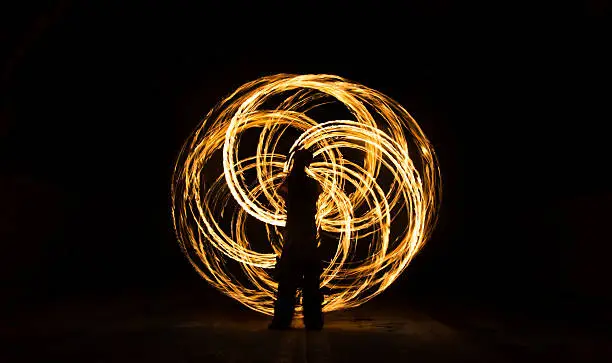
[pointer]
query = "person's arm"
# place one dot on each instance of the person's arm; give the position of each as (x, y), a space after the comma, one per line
(283, 190)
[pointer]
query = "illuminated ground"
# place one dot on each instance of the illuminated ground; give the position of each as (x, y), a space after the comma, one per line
(153, 329)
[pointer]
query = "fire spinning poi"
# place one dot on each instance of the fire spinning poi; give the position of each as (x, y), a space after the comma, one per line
(378, 172)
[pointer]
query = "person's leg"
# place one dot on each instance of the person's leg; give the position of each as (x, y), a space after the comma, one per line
(284, 306)
(312, 298)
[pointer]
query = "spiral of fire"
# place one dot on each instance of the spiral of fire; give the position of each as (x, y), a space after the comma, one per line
(379, 175)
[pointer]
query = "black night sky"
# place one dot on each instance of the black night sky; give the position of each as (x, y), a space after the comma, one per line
(97, 98)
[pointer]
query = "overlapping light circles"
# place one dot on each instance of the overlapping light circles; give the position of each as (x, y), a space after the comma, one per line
(378, 171)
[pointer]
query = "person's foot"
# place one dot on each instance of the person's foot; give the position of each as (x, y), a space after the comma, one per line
(316, 327)
(276, 326)
(313, 324)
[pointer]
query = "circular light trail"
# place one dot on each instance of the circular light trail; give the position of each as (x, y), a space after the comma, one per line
(378, 172)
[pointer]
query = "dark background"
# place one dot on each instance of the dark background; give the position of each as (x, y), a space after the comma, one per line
(98, 96)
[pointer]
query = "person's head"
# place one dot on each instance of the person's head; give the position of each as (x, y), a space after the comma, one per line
(302, 159)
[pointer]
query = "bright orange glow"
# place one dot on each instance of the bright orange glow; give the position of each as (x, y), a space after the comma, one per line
(387, 199)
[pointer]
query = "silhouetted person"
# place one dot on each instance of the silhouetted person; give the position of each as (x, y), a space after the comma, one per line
(299, 265)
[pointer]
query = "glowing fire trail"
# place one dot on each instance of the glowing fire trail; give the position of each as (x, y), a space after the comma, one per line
(382, 131)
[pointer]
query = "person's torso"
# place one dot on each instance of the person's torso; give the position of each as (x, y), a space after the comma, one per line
(302, 199)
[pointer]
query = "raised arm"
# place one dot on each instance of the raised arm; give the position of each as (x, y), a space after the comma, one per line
(283, 190)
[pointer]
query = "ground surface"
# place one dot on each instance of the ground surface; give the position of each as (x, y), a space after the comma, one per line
(166, 328)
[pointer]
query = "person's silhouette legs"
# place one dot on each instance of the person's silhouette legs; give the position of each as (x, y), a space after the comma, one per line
(285, 304)
(312, 298)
